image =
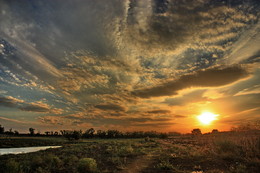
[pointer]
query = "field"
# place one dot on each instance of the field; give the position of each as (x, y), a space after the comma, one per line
(223, 152)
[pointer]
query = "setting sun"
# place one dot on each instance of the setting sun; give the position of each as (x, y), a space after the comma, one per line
(207, 117)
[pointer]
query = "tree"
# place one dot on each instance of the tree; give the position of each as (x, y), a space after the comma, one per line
(2, 129)
(10, 132)
(76, 135)
(214, 131)
(89, 133)
(113, 133)
(16, 132)
(31, 130)
(196, 132)
(101, 134)
(63, 132)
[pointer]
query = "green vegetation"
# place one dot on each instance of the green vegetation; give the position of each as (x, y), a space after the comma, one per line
(229, 152)
(98, 155)
(87, 165)
(112, 151)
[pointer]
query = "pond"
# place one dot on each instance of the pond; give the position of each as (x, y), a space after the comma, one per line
(24, 149)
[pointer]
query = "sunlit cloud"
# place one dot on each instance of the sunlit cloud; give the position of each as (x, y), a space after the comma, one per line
(119, 63)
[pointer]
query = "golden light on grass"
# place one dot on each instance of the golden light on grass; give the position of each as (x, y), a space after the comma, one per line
(207, 117)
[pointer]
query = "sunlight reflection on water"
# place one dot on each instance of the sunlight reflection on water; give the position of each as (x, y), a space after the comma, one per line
(4, 151)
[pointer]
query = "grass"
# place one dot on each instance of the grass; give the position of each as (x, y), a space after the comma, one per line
(224, 152)
(85, 156)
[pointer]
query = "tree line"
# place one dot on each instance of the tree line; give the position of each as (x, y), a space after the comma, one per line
(89, 133)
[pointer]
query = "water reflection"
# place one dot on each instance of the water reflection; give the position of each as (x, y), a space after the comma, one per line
(24, 149)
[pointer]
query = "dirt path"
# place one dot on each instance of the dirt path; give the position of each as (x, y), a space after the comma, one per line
(144, 162)
(140, 164)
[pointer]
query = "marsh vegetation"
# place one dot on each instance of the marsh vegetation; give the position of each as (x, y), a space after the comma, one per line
(228, 152)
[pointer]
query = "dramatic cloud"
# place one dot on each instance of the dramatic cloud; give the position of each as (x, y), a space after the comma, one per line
(98, 121)
(212, 77)
(106, 64)
(40, 107)
(12, 102)
(110, 107)
(159, 112)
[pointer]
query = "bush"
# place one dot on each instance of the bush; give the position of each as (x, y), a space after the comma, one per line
(226, 146)
(36, 162)
(165, 165)
(40, 170)
(126, 150)
(147, 139)
(87, 165)
(12, 166)
(52, 162)
(70, 160)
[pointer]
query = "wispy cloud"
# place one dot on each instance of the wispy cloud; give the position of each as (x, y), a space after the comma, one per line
(40, 107)
(111, 62)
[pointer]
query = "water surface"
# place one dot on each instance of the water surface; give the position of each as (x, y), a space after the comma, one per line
(24, 149)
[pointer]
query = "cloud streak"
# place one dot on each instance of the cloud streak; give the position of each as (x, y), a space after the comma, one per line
(39, 107)
(212, 77)
(111, 62)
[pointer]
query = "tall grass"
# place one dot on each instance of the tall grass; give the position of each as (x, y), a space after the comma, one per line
(244, 144)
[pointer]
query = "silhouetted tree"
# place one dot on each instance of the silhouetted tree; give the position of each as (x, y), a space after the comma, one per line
(16, 132)
(101, 134)
(89, 133)
(214, 131)
(31, 130)
(2, 129)
(47, 133)
(163, 135)
(10, 132)
(113, 134)
(38, 133)
(76, 134)
(72, 134)
(62, 132)
(196, 132)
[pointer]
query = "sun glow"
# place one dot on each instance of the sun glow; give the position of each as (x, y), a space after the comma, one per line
(207, 117)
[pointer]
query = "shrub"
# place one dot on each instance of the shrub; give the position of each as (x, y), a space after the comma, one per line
(87, 165)
(40, 170)
(109, 150)
(147, 139)
(70, 160)
(52, 162)
(126, 150)
(240, 168)
(36, 162)
(164, 165)
(228, 150)
(12, 166)
(226, 146)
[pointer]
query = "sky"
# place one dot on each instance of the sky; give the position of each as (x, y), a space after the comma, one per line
(129, 64)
